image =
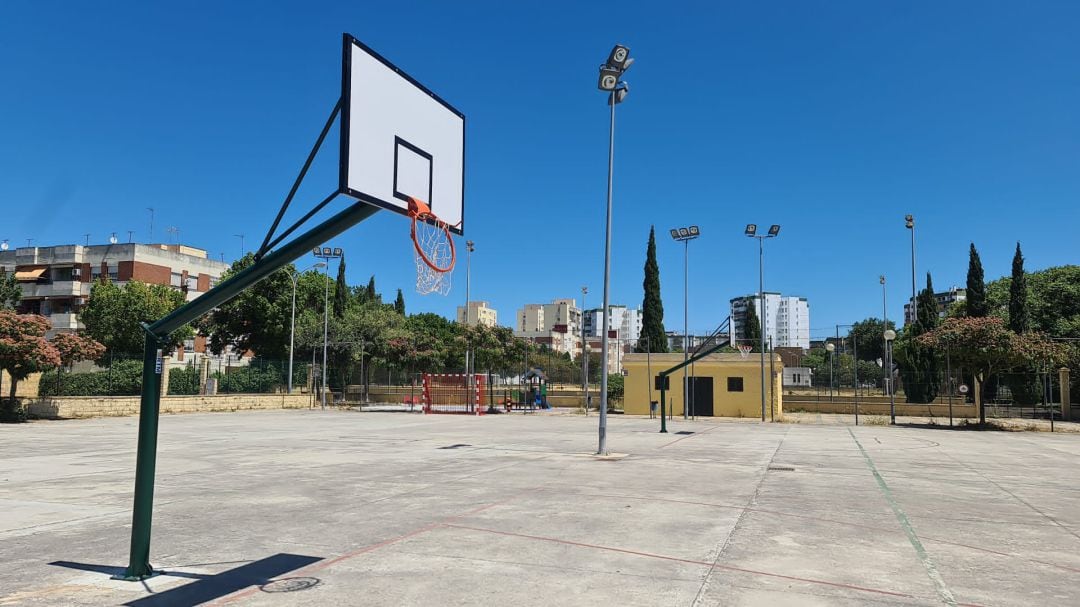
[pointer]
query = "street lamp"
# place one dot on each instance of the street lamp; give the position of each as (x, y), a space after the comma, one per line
(830, 348)
(610, 82)
(884, 321)
(292, 324)
(325, 254)
(469, 248)
(889, 336)
(685, 235)
(751, 231)
(909, 222)
(584, 353)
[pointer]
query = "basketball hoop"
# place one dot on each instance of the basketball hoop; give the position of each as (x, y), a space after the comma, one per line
(434, 249)
(745, 349)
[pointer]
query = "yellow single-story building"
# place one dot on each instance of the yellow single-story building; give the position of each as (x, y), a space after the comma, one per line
(721, 385)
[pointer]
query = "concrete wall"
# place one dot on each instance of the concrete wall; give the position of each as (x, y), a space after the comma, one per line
(68, 407)
(880, 406)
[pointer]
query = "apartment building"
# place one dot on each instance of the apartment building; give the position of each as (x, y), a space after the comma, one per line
(944, 300)
(556, 325)
(477, 313)
(625, 322)
(56, 281)
(787, 318)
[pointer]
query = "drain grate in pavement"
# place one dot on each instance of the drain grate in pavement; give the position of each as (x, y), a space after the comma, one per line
(685, 432)
(455, 446)
(782, 468)
(290, 584)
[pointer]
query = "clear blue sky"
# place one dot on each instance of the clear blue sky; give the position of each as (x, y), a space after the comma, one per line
(833, 119)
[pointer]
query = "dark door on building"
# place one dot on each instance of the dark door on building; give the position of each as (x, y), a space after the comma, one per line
(701, 396)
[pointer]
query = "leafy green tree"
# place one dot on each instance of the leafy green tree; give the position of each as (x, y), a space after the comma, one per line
(10, 292)
(869, 337)
(919, 367)
(976, 286)
(986, 346)
(372, 294)
(752, 326)
(113, 314)
(341, 291)
(1018, 294)
(260, 317)
(399, 303)
(653, 337)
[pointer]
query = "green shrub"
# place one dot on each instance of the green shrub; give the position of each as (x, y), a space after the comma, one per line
(123, 378)
(184, 380)
(256, 378)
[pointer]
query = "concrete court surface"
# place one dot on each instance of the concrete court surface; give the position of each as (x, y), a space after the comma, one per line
(345, 508)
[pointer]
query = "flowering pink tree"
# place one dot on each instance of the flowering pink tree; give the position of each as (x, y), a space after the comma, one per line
(986, 346)
(74, 348)
(23, 350)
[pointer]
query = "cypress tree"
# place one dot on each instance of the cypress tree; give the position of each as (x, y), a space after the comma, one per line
(653, 337)
(1023, 382)
(919, 367)
(341, 291)
(399, 303)
(372, 295)
(976, 287)
(752, 326)
(1018, 309)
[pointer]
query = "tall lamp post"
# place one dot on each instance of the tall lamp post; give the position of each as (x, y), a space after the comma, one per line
(685, 235)
(909, 221)
(611, 82)
(884, 322)
(326, 254)
(830, 348)
(751, 231)
(295, 276)
(889, 336)
(470, 246)
(584, 353)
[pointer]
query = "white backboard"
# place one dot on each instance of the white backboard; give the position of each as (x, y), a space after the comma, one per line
(398, 139)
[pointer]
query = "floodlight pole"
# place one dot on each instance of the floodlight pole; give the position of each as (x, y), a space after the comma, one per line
(686, 327)
(326, 327)
(584, 355)
(602, 445)
(292, 328)
(764, 312)
(910, 222)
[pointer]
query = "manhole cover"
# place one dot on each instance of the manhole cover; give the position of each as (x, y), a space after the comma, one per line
(290, 584)
(455, 446)
(685, 432)
(782, 468)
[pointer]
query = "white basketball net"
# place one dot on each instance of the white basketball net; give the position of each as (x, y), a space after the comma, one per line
(432, 242)
(745, 350)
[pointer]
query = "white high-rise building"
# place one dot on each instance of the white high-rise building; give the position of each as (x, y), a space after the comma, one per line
(626, 322)
(557, 324)
(478, 314)
(787, 319)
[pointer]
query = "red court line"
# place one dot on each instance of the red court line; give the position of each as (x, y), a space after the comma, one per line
(838, 522)
(319, 566)
(681, 560)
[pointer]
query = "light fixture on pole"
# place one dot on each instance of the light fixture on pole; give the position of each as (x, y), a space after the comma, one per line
(113, 239)
(325, 254)
(751, 231)
(295, 276)
(909, 222)
(610, 82)
(243, 249)
(685, 235)
(889, 336)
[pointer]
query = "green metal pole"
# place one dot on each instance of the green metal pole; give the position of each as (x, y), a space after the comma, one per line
(145, 463)
(146, 458)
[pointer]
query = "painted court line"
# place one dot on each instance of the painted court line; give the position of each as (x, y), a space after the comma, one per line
(682, 560)
(931, 571)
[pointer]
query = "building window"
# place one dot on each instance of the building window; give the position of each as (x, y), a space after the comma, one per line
(734, 384)
(114, 272)
(665, 385)
(193, 283)
(176, 279)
